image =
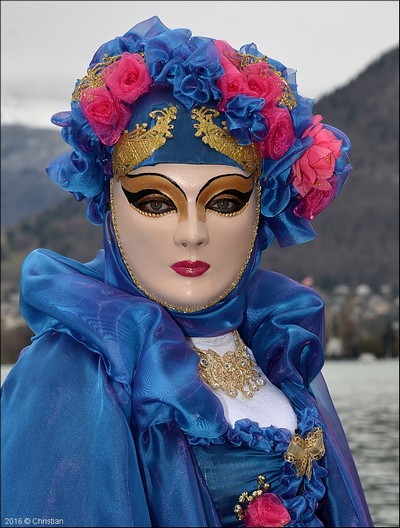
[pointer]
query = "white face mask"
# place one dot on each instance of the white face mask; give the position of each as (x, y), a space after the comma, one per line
(186, 231)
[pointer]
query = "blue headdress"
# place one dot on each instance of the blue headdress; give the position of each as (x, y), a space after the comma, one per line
(160, 95)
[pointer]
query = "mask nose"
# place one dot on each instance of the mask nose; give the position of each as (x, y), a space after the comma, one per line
(191, 232)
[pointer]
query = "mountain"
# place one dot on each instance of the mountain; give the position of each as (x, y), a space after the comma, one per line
(357, 238)
(358, 234)
(25, 186)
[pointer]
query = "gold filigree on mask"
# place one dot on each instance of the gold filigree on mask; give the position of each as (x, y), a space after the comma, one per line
(247, 156)
(138, 145)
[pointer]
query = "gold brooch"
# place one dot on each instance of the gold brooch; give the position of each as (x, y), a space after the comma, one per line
(302, 451)
(232, 373)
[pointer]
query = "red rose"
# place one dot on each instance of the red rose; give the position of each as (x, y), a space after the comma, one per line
(266, 510)
(280, 135)
(317, 164)
(128, 78)
(107, 116)
(264, 82)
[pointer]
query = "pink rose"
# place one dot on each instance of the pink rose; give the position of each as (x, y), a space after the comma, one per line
(317, 164)
(228, 55)
(280, 135)
(316, 201)
(128, 78)
(264, 82)
(266, 510)
(107, 116)
(232, 84)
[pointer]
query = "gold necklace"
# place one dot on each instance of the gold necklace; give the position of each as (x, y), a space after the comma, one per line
(232, 373)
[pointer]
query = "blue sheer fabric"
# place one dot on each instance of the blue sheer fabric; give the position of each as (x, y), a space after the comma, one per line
(97, 412)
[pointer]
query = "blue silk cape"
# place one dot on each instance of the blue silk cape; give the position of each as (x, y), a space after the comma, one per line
(96, 411)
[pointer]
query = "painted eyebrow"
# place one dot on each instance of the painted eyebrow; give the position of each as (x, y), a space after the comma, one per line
(222, 176)
(130, 175)
(172, 182)
(205, 193)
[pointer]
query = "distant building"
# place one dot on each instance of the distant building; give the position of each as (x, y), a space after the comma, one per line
(334, 347)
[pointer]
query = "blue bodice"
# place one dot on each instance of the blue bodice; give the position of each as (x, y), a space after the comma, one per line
(231, 464)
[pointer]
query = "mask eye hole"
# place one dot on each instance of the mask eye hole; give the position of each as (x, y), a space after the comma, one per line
(228, 202)
(150, 202)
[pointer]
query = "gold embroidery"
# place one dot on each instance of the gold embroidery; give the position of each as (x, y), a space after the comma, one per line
(138, 145)
(232, 373)
(93, 78)
(287, 97)
(245, 498)
(247, 59)
(247, 156)
(301, 452)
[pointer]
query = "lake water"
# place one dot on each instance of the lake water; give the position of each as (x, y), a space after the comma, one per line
(366, 395)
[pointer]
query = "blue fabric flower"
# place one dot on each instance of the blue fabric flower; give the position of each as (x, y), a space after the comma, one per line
(244, 119)
(250, 49)
(84, 171)
(302, 114)
(195, 78)
(166, 51)
(130, 42)
(275, 179)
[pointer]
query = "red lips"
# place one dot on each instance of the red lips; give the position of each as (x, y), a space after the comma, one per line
(190, 269)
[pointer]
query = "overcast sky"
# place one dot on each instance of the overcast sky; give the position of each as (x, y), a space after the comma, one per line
(46, 46)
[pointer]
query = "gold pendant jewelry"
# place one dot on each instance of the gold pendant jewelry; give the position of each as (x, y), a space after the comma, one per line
(233, 372)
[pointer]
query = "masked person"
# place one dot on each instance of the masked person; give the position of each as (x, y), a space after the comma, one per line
(171, 381)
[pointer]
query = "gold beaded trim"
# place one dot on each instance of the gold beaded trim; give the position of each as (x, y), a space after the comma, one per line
(138, 145)
(247, 58)
(302, 451)
(183, 309)
(231, 373)
(287, 98)
(247, 498)
(247, 156)
(151, 215)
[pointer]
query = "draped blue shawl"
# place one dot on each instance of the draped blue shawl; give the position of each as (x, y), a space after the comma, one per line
(96, 411)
